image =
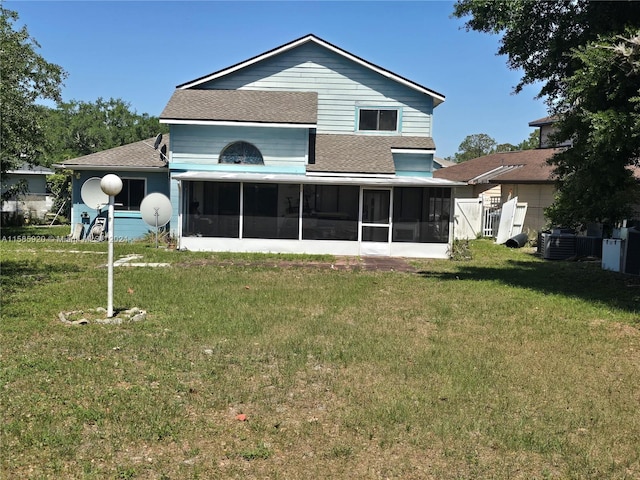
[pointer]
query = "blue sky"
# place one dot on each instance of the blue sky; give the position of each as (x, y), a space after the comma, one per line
(139, 51)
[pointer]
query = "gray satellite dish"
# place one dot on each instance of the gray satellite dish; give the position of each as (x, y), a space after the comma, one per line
(156, 211)
(92, 194)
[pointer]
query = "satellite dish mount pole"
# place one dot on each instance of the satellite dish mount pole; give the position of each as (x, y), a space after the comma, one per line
(156, 214)
(111, 185)
(110, 259)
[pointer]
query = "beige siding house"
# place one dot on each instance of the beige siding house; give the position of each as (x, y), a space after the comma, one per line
(524, 174)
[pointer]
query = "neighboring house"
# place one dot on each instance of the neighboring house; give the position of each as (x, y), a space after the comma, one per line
(306, 148)
(142, 170)
(546, 129)
(441, 163)
(524, 174)
(36, 202)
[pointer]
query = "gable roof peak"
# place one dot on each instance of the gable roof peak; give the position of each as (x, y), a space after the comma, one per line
(438, 98)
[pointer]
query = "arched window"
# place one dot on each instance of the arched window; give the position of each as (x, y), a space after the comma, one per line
(241, 153)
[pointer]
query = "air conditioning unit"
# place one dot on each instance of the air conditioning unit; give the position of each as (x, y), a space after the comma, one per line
(558, 245)
(612, 250)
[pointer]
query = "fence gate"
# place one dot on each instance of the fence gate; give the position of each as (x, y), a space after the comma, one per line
(490, 219)
(472, 218)
(467, 218)
(491, 216)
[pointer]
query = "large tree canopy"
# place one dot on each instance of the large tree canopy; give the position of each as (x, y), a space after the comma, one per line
(78, 128)
(574, 48)
(75, 129)
(25, 78)
(34, 134)
(602, 116)
(537, 37)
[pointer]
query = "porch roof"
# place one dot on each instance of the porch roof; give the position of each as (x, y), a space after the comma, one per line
(319, 178)
(255, 106)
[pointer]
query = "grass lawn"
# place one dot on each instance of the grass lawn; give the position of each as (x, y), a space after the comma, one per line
(504, 366)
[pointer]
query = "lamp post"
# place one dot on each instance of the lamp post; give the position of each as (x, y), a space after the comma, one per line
(111, 185)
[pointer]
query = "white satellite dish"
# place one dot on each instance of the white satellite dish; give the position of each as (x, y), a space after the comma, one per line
(156, 211)
(92, 194)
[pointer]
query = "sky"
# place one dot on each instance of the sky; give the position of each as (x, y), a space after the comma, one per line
(139, 51)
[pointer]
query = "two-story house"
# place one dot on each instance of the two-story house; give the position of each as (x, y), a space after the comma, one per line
(306, 148)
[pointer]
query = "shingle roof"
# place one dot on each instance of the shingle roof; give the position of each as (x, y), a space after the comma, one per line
(242, 106)
(525, 166)
(543, 121)
(27, 169)
(444, 163)
(362, 153)
(134, 155)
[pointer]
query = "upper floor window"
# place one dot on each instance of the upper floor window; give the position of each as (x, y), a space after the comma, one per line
(385, 120)
(241, 153)
(131, 195)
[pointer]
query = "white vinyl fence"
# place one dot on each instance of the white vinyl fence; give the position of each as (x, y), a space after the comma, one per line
(475, 218)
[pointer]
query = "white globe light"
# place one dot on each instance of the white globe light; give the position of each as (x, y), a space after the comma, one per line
(111, 184)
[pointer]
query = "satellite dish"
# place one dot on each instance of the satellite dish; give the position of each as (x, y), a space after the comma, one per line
(156, 144)
(163, 153)
(92, 194)
(156, 211)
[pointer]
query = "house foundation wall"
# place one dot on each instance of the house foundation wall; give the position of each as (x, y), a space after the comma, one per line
(310, 247)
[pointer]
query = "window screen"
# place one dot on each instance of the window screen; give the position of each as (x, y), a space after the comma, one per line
(131, 195)
(378, 120)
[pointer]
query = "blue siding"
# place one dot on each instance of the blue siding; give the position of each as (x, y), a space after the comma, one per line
(128, 224)
(413, 164)
(202, 144)
(341, 84)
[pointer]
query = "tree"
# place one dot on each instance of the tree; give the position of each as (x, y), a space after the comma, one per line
(26, 77)
(481, 144)
(536, 36)
(569, 46)
(505, 147)
(602, 116)
(530, 143)
(80, 128)
(473, 146)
